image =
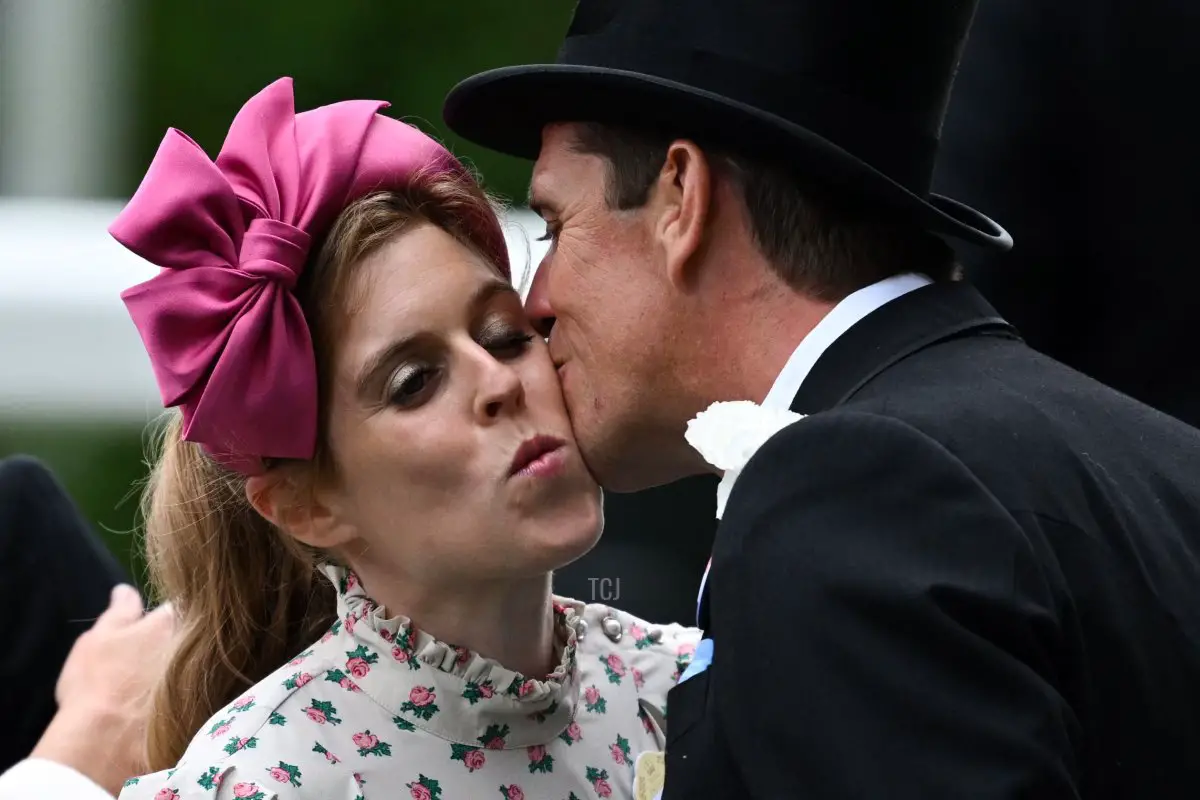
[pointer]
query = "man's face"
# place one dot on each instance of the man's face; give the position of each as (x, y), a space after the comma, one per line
(603, 287)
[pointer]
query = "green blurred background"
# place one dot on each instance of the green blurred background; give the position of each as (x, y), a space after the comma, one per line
(193, 64)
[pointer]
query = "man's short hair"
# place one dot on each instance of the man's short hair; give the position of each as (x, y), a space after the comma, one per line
(818, 242)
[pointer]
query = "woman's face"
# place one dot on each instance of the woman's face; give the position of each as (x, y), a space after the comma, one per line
(454, 452)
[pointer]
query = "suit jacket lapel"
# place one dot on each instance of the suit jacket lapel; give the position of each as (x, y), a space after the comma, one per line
(891, 333)
(883, 338)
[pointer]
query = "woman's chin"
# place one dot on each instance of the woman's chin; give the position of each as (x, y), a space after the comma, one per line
(566, 542)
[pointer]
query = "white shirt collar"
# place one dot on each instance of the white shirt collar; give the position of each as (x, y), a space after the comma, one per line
(841, 318)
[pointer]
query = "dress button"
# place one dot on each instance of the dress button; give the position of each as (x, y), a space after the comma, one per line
(612, 628)
(582, 629)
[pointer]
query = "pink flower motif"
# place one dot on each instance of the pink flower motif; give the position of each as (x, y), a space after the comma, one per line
(616, 664)
(358, 667)
(400, 654)
(686, 649)
(348, 685)
(245, 789)
(280, 774)
(418, 791)
(496, 743)
(637, 632)
(242, 743)
(536, 753)
(350, 620)
(387, 635)
(297, 661)
(526, 688)
(221, 731)
(591, 695)
(617, 755)
(420, 696)
(602, 788)
(514, 792)
(464, 655)
(639, 680)
(328, 635)
(474, 759)
(302, 679)
(331, 758)
(573, 732)
(365, 740)
(166, 793)
(486, 690)
(316, 715)
(351, 581)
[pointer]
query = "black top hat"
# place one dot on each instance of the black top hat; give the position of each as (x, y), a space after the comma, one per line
(849, 92)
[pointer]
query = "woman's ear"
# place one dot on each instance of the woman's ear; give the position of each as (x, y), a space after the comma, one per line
(292, 504)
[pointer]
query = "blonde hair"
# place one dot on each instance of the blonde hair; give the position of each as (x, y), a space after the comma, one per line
(249, 595)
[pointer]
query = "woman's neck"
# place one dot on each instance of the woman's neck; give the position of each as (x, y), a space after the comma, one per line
(511, 622)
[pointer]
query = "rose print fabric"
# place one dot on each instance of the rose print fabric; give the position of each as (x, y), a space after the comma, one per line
(379, 709)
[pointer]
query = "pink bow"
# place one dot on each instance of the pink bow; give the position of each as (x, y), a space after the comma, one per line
(226, 337)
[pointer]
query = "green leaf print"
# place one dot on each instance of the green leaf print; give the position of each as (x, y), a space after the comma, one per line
(237, 743)
(277, 719)
(432, 786)
(285, 773)
(542, 716)
(471, 756)
(593, 701)
(621, 748)
(219, 728)
(209, 779)
(474, 692)
(369, 744)
(404, 724)
(342, 679)
(493, 737)
(420, 703)
(540, 760)
(362, 652)
(330, 757)
(322, 711)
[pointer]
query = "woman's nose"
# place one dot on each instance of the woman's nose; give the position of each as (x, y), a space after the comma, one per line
(500, 391)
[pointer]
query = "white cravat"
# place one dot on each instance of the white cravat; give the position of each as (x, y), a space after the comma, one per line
(841, 318)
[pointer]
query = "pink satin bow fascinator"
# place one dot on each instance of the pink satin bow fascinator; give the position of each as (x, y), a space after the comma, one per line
(226, 336)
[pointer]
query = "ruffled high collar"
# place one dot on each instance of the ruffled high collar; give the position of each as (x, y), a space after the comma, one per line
(448, 690)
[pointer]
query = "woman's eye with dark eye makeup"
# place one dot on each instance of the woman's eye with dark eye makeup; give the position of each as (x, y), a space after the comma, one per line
(409, 384)
(503, 339)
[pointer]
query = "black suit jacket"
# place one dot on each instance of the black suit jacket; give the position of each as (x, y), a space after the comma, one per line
(971, 573)
(55, 579)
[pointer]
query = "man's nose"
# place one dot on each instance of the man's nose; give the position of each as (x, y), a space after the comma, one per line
(537, 304)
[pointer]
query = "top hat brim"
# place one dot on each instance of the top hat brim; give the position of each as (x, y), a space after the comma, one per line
(506, 110)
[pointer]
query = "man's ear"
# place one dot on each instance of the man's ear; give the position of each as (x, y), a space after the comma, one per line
(293, 504)
(684, 199)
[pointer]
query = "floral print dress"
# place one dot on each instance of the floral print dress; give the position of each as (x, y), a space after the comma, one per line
(379, 709)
